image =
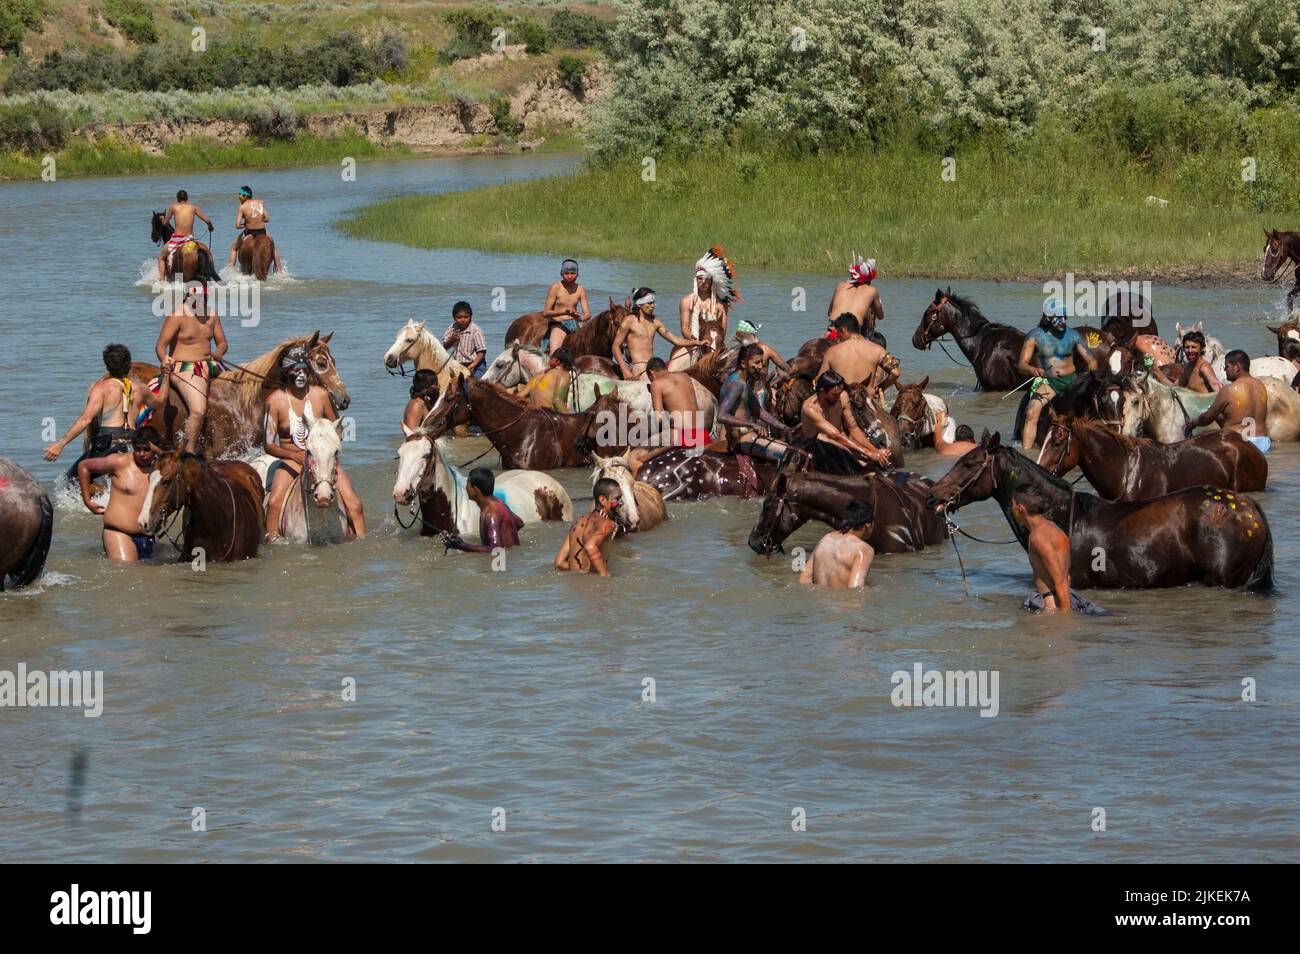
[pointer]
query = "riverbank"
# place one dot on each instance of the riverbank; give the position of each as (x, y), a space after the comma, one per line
(1026, 215)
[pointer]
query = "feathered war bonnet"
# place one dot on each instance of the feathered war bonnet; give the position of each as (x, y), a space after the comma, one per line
(717, 266)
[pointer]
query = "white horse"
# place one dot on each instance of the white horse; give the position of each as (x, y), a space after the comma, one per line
(323, 520)
(414, 342)
(517, 365)
(643, 504)
(1156, 410)
(425, 473)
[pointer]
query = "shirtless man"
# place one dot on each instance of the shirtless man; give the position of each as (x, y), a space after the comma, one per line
(251, 219)
(1241, 405)
(638, 332)
(964, 437)
(827, 416)
(1049, 551)
(857, 297)
(843, 557)
(703, 312)
(424, 395)
(550, 389)
(747, 333)
(498, 525)
(181, 214)
(853, 357)
(194, 340)
(566, 304)
(749, 424)
(581, 550)
(1195, 372)
(116, 403)
(285, 414)
(673, 395)
(1051, 355)
(128, 483)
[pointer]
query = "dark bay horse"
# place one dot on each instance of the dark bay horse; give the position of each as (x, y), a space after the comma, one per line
(222, 501)
(527, 438)
(187, 263)
(257, 256)
(1135, 468)
(992, 349)
(1202, 534)
(680, 474)
(1281, 249)
(904, 522)
(26, 525)
(868, 410)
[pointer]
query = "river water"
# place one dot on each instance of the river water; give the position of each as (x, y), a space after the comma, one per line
(523, 690)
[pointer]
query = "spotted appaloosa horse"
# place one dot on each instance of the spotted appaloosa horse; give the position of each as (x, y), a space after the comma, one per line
(1203, 535)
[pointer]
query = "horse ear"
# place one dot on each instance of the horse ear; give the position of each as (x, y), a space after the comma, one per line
(1276, 329)
(949, 291)
(984, 438)
(938, 295)
(995, 441)
(327, 338)
(338, 426)
(315, 339)
(419, 326)
(1200, 326)
(612, 306)
(925, 383)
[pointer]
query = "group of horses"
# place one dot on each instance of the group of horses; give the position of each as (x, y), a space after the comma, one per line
(193, 261)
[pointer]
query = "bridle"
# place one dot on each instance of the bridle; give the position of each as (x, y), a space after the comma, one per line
(178, 501)
(1268, 261)
(927, 417)
(969, 481)
(936, 314)
(401, 359)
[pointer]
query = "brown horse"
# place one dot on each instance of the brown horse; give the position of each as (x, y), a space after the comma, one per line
(903, 521)
(529, 329)
(912, 412)
(1281, 249)
(814, 349)
(1288, 331)
(787, 395)
(236, 396)
(1201, 534)
(527, 438)
(684, 474)
(257, 256)
(712, 369)
(867, 410)
(191, 262)
(596, 336)
(1134, 468)
(222, 501)
(26, 525)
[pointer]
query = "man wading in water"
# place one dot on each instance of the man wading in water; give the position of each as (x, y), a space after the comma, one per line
(843, 557)
(1241, 405)
(1048, 356)
(498, 525)
(638, 332)
(129, 483)
(566, 305)
(581, 550)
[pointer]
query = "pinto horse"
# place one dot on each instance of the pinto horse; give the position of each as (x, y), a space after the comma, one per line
(26, 525)
(1201, 534)
(191, 262)
(1281, 249)
(1133, 468)
(992, 349)
(903, 522)
(222, 501)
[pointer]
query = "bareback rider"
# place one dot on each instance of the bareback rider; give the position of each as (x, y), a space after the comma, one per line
(251, 219)
(1051, 355)
(566, 305)
(857, 296)
(181, 214)
(703, 312)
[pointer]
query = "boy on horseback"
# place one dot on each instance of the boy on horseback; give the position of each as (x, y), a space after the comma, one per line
(1051, 356)
(192, 343)
(182, 214)
(286, 413)
(566, 305)
(251, 219)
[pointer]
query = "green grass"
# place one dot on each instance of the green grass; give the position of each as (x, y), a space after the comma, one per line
(1033, 211)
(83, 158)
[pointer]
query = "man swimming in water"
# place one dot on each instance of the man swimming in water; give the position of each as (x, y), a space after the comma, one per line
(128, 485)
(1241, 405)
(638, 331)
(843, 557)
(857, 296)
(424, 395)
(498, 525)
(1051, 355)
(672, 393)
(581, 550)
(251, 219)
(182, 214)
(195, 342)
(566, 305)
(550, 389)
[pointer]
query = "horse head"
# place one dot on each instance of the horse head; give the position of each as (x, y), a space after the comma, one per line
(408, 336)
(618, 470)
(161, 231)
(414, 464)
(777, 520)
(912, 411)
(935, 320)
(1135, 406)
(324, 439)
(1275, 253)
(321, 360)
(169, 485)
(972, 478)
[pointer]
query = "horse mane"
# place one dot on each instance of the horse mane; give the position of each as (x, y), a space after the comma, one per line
(968, 308)
(505, 393)
(1125, 441)
(261, 372)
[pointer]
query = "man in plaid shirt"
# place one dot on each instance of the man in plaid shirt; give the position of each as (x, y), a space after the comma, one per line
(465, 339)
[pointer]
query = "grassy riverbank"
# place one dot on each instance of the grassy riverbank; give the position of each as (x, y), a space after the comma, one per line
(1034, 211)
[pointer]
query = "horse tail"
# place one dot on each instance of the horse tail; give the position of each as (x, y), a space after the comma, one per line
(1261, 578)
(34, 561)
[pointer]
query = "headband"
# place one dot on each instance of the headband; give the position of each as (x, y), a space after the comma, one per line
(647, 299)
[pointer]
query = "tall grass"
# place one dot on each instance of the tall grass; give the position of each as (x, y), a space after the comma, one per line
(1048, 205)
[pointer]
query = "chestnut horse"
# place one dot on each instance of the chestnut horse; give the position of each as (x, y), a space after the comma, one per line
(1134, 468)
(1201, 534)
(1281, 249)
(191, 262)
(903, 522)
(222, 501)
(257, 256)
(712, 369)
(26, 525)
(529, 329)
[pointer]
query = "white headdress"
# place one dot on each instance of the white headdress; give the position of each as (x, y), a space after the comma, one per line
(717, 266)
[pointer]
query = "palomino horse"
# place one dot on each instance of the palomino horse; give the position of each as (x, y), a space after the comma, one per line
(321, 519)
(257, 256)
(688, 474)
(1280, 250)
(222, 502)
(527, 438)
(425, 471)
(191, 262)
(234, 422)
(903, 521)
(415, 342)
(1201, 534)
(992, 349)
(644, 504)
(1156, 410)
(1133, 468)
(26, 525)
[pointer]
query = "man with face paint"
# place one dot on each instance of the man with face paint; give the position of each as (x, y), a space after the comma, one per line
(581, 550)
(1052, 355)
(129, 483)
(287, 413)
(638, 332)
(566, 304)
